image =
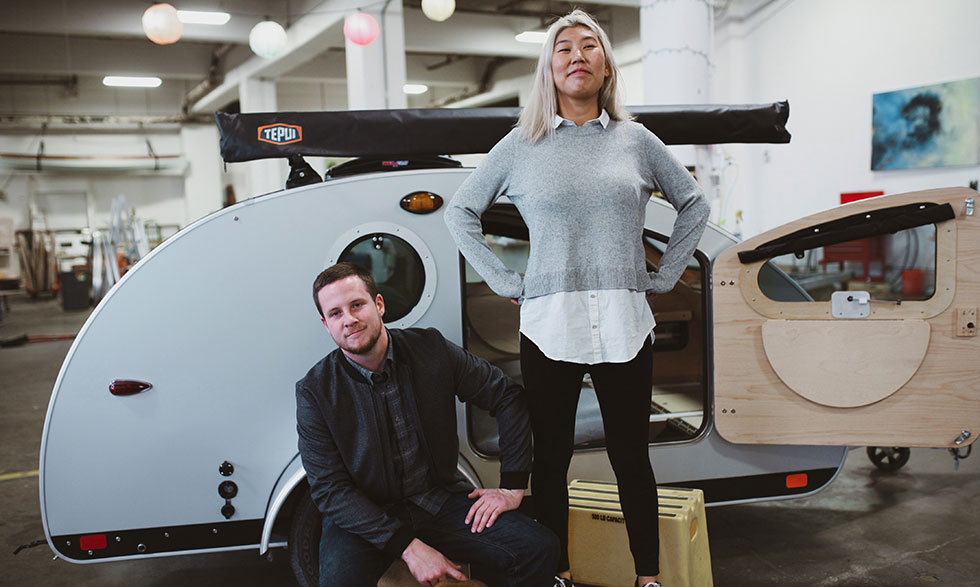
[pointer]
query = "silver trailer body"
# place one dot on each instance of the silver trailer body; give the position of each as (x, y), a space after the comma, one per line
(220, 320)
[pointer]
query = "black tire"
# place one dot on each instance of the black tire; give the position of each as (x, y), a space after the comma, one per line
(889, 458)
(304, 541)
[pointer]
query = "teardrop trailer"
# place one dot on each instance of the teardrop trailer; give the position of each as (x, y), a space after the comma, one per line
(171, 427)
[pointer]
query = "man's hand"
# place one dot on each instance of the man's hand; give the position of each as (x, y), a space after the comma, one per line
(428, 565)
(491, 504)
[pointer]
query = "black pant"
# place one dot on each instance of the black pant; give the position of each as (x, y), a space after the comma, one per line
(623, 390)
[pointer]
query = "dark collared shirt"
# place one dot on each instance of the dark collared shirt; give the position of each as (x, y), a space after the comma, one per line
(407, 467)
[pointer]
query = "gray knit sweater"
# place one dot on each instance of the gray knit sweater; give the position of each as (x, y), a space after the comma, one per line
(583, 194)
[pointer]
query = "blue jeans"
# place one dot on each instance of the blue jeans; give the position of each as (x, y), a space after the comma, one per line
(525, 552)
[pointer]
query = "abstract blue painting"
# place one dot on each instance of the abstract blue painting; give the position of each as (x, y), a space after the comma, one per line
(929, 126)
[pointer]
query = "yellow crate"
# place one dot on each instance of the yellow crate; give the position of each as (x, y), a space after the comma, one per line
(599, 548)
(608, 487)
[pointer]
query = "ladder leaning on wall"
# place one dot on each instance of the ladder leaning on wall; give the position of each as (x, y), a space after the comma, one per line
(126, 237)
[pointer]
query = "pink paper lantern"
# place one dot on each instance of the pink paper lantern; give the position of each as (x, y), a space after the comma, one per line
(361, 29)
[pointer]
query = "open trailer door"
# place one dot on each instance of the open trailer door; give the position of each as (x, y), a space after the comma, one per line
(886, 354)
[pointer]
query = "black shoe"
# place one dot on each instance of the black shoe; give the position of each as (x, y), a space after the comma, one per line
(563, 582)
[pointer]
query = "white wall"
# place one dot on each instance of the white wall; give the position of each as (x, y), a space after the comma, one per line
(828, 58)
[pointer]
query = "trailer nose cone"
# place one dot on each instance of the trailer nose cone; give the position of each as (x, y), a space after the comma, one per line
(128, 387)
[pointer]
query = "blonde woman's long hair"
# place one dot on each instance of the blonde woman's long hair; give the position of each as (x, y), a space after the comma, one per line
(538, 117)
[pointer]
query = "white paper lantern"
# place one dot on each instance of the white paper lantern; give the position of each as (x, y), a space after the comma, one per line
(267, 39)
(161, 25)
(361, 29)
(438, 10)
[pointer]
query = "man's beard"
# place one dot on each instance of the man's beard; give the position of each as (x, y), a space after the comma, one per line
(364, 346)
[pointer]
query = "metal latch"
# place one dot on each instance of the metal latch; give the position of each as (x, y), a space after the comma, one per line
(959, 453)
(850, 304)
(969, 206)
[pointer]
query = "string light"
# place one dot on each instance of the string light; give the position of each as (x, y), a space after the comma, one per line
(684, 49)
(438, 10)
(161, 25)
(360, 28)
(267, 39)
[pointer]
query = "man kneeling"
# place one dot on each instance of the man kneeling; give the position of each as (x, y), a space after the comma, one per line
(377, 434)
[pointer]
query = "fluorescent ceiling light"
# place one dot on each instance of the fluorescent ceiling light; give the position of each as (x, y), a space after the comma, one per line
(538, 37)
(415, 88)
(122, 81)
(200, 17)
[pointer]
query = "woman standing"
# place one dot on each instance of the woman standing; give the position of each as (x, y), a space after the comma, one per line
(581, 173)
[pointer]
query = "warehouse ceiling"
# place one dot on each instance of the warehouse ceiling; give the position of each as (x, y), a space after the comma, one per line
(65, 45)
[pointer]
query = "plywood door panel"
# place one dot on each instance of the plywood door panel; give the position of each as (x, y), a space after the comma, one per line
(940, 400)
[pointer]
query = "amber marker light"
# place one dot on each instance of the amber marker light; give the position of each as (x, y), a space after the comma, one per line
(421, 202)
(128, 387)
(796, 480)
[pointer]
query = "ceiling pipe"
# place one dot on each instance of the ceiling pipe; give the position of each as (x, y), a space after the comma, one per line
(69, 82)
(486, 82)
(214, 77)
(71, 124)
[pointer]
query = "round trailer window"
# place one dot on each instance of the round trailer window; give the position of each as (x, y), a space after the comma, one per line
(396, 267)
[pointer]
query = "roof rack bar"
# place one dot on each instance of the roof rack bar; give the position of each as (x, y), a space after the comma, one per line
(440, 131)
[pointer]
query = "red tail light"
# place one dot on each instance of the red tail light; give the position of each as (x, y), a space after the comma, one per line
(92, 542)
(796, 480)
(128, 387)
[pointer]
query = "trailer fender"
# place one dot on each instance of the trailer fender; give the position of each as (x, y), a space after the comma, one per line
(294, 474)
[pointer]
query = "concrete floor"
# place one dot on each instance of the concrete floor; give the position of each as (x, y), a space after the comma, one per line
(919, 526)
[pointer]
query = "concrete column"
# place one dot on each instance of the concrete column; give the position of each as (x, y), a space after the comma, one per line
(259, 95)
(202, 184)
(676, 36)
(376, 73)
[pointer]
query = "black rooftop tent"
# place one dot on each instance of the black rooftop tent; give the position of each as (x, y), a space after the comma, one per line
(425, 132)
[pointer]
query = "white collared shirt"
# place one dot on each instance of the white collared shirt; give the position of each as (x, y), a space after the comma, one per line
(603, 120)
(588, 327)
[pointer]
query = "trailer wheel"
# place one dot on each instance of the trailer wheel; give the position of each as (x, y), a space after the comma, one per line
(304, 541)
(889, 458)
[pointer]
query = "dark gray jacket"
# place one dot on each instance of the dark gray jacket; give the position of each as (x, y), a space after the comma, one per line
(340, 436)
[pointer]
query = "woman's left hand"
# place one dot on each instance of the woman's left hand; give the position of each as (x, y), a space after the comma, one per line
(491, 503)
